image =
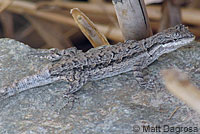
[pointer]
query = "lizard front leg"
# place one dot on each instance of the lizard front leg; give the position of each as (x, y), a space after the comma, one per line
(75, 80)
(139, 76)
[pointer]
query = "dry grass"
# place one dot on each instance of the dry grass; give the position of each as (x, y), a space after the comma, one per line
(47, 24)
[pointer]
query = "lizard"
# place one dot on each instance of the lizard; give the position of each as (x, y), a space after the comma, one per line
(76, 68)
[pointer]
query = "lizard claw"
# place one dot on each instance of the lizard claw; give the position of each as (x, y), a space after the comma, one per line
(3, 92)
(71, 98)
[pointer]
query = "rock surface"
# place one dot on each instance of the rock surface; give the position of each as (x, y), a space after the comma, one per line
(115, 105)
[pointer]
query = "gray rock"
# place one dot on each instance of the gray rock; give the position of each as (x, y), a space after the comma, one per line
(115, 105)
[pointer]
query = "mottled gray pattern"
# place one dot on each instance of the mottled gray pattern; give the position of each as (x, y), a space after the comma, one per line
(108, 106)
(76, 68)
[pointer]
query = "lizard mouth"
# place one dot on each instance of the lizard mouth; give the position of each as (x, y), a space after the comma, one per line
(177, 44)
(169, 46)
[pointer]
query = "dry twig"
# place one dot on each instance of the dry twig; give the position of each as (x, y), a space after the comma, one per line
(171, 15)
(172, 114)
(133, 19)
(88, 28)
(154, 12)
(179, 85)
(51, 34)
(7, 24)
(189, 15)
(5, 4)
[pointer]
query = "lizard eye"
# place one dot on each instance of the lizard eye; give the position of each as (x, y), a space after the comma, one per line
(176, 34)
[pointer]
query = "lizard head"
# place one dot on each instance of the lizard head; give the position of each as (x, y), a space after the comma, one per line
(167, 41)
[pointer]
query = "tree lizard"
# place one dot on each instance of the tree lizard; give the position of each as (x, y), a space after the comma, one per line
(76, 67)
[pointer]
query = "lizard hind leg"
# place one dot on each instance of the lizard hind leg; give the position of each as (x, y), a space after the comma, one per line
(73, 85)
(71, 97)
(139, 76)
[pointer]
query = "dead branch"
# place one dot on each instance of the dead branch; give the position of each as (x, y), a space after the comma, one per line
(133, 19)
(179, 85)
(88, 28)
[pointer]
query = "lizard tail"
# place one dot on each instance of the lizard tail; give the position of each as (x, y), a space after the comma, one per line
(40, 79)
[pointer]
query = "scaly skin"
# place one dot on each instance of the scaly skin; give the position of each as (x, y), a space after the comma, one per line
(76, 67)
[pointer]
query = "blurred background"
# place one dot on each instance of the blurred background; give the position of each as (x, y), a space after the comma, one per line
(49, 24)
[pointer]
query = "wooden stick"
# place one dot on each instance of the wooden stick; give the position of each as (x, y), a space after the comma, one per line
(5, 4)
(179, 85)
(172, 114)
(133, 19)
(147, 2)
(96, 1)
(88, 28)
(189, 15)
(171, 15)
(23, 7)
(7, 24)
(83, 6)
